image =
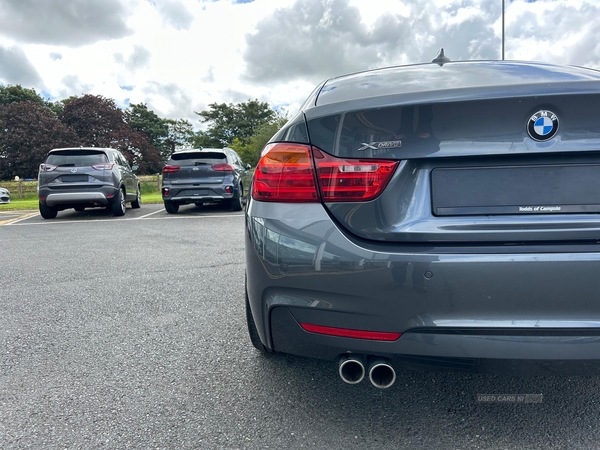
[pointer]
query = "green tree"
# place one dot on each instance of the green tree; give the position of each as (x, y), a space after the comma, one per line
(228, 121)
(17, 93)
(205, 140)
(98, 122)
(180, 135)
(250, 151)
(147, 122)
(166, 135)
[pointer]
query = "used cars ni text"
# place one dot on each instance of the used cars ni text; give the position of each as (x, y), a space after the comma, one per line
(443, 214)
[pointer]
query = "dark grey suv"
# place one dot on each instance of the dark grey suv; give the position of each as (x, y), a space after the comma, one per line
(82, 178)
(201, 176)
(443, 214)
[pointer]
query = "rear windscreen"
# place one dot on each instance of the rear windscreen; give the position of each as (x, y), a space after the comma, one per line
(76, 158)
(193, 158)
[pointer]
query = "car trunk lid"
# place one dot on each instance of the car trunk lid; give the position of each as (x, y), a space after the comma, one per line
(75, 167)
(472, 171)
(195, 168)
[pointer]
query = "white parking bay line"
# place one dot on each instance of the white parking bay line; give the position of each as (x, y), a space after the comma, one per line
(18, 219)
(88, 221)
(151, 214)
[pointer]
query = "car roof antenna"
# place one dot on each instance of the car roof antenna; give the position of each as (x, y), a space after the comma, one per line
(441, 59)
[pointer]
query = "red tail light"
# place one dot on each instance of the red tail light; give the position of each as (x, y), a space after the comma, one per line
(351, 180)
(222, 167)
(350, 333)
(170, 169)
(47, 167)
(105, 166)
(286, 173)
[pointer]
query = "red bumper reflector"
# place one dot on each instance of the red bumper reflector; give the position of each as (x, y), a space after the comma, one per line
(356, 334)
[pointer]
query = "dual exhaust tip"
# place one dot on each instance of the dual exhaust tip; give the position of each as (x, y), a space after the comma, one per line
(352, 370)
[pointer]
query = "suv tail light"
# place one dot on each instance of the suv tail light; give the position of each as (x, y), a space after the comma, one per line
(222, 167)
(47, 167)
(105, 166)
(170, 169)
(286, 172)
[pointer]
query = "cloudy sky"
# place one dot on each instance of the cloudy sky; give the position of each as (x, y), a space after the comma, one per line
(177, 56)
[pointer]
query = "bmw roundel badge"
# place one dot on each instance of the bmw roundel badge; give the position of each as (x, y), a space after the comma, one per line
(543, 125)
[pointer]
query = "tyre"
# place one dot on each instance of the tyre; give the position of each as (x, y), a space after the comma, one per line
(237, 202)
(171, 207)
(80, 208)
(118, 206)
(47, 212)
(253, 331)
(138, 199)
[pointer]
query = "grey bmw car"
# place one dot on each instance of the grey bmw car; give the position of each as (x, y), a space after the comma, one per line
(435, 215)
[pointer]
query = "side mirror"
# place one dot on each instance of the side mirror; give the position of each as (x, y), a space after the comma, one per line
(248, 167)
(134, 167)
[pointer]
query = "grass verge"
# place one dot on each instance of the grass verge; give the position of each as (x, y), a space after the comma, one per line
(22, 204)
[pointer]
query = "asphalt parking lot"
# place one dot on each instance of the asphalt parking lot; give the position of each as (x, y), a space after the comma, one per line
(130, 333)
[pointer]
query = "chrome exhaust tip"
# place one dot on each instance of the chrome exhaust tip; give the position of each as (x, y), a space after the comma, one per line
(381, 374)
(351, 370)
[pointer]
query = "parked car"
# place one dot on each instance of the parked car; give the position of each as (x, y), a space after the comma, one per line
(208, 175)
(86, 177)
(4, 195)
(443, 214)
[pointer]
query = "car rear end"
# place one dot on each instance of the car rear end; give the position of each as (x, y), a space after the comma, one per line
(445, 215)
(76, 177)
(4, 195)
(198, 176)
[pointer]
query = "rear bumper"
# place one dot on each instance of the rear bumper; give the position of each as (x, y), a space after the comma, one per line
(198, 194)
(498, 354)
(94, 196)
(505, 306)
(557, 344)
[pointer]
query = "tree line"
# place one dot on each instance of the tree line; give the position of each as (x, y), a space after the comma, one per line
(30, 126)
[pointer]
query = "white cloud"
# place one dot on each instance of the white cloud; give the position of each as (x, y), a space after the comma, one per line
(15, 68)
(174, 13)
(179, 56)
(63, 22)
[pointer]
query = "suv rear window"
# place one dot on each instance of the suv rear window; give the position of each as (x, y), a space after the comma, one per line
(192, 158)
(76, 158)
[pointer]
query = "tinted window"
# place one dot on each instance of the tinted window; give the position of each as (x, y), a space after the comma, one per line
(122, 160)
(192, 158)
(76, 158)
